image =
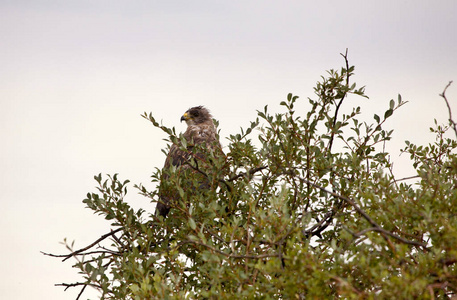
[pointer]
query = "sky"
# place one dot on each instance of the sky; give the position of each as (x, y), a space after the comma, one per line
(75, 76)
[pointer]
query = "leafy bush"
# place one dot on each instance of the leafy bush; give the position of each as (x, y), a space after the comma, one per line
(291, 217)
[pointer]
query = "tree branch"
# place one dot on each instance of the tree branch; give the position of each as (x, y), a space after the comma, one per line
(316, 229)
(239, 256)
(250, 172)
(381, 230)
(376, 226)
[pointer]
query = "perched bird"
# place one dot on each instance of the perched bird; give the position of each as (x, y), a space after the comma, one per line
(200, 132)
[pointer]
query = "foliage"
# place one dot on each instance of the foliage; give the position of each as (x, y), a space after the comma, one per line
(291, 217)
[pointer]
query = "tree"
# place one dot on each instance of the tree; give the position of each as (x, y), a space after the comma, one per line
(310, 208)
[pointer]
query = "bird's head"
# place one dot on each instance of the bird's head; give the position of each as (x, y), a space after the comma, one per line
(196, 115)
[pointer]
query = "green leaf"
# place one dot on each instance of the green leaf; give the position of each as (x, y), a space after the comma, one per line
(192, 223)
(388, 113)
(376, 117)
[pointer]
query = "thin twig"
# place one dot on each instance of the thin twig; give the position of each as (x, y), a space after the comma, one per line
(69, 285)
(407, 178)
(443, 94)
(341, 101)
(74, 253)
(81, 292)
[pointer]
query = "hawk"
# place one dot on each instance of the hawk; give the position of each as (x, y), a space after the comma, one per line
(200, 133)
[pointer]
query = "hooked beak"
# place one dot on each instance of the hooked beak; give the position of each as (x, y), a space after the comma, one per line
(185, 117)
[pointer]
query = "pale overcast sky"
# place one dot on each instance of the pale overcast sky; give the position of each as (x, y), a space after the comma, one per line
(76, 75)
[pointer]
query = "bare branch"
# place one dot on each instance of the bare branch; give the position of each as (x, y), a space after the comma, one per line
(69, 285)
(443, 94)
(407, 178)
(74, 253)
(81, 292)
(75, 284)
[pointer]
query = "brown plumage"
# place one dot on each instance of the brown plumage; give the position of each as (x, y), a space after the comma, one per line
(200, 130)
